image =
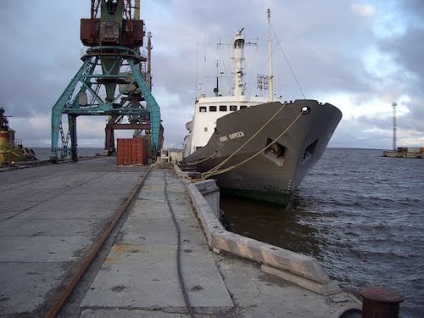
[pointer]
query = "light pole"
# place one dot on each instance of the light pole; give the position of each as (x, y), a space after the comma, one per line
(394, 104)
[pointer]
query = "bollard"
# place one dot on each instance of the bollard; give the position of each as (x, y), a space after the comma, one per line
(380, 303)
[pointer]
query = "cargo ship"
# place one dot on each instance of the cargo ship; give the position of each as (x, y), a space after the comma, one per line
(254, 147)
(11, 149)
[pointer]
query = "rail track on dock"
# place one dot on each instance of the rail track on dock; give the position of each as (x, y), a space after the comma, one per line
(94, 249)
(110, 231)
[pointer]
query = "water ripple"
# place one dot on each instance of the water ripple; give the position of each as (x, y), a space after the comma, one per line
(361, 215)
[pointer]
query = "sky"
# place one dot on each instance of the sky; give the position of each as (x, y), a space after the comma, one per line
(361, 56)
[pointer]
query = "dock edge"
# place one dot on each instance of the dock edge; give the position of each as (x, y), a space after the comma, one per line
(299, 269)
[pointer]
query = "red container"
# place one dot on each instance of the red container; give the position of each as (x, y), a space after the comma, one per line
(131, 152)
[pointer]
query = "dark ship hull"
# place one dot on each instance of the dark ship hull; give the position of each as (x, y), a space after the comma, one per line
(264, 157)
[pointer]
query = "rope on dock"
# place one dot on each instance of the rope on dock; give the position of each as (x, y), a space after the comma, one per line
(178, 256)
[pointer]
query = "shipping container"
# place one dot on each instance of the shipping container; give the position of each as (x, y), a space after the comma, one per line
(131, 151)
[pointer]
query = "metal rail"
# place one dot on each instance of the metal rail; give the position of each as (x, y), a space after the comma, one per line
(94, 249)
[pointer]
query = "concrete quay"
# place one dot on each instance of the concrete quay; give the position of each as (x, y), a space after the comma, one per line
(140, 275)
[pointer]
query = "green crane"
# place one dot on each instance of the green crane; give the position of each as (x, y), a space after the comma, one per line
(110, 81)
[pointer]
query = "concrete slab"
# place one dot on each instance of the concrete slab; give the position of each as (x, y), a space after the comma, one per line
(144, 229)
(160, 208)
(129, 313)
(141, 280)
(15, 206)
(24, 286)
(146, 277)
(257, 294)
(41, 249)
(149, 233)
(330, 288)
(51, 226)
(30, 195)
(6, 215)
(146, 207)
(68, 208)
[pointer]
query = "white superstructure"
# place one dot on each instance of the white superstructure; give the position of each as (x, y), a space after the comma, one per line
(209, 109)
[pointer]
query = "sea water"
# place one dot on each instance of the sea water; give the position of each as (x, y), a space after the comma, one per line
(44, 153)
(360, 214)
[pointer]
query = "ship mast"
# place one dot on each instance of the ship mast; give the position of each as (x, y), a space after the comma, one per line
(238, 63)
(270, 75)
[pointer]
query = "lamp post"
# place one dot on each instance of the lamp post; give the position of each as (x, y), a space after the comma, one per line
(394, 104)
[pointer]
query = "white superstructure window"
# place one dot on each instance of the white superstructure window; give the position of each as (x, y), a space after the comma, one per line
(243, 106)
(233, 108)
(223, 108)
(212, 108)
(202, 109)
(205, 129)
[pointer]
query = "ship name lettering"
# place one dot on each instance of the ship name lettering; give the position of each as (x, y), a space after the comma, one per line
(234, 135)
(237, 134)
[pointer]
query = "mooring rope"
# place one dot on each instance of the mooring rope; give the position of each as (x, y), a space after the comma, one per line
(212, 171)
(192, 163)
(216, 172)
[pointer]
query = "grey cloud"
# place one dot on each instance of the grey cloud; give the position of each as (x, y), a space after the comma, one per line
(323, 40)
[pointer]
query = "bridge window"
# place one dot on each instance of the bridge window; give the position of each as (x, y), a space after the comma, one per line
(202, 109)
(212, 108)
(243, 106)
(222, 108)
(233, 108)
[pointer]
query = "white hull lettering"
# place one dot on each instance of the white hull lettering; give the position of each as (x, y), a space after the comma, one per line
(235, 135)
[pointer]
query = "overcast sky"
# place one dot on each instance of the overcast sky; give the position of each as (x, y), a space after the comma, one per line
(360, 56)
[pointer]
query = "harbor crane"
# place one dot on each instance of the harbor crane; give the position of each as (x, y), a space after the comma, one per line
(113, 81)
